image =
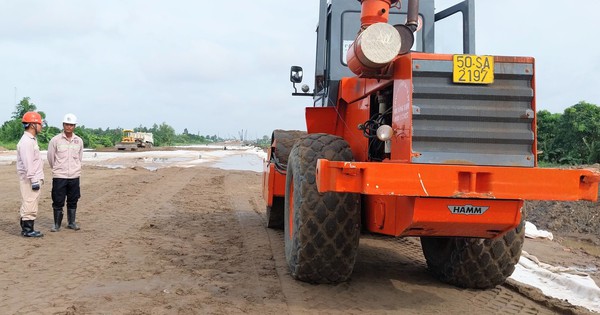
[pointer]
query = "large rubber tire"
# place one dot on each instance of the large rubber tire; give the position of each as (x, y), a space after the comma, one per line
(284, 141)
(474, 263)
(321, 230)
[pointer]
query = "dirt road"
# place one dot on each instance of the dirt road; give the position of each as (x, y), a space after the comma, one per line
(193, 241)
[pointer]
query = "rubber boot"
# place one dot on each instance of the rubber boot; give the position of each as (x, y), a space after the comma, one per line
(24, 229)
(29, 231)
(71, 219)
(58, 216)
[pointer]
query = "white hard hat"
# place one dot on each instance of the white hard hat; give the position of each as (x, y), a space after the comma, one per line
(70, 119)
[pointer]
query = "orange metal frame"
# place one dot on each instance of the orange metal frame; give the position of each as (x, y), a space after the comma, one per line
(416, 216)
(273, 181)
(408, 199)
(417, 199)
(457, 181)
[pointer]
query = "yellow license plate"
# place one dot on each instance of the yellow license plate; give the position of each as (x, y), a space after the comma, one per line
(473, 69)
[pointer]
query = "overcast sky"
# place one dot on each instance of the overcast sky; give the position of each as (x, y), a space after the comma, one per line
(217, 67)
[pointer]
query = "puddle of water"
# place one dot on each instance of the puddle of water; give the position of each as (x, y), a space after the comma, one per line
(169, 160)
(112, 166)
(249, 160)
(240, 162)
(589, 247)
(117, 166)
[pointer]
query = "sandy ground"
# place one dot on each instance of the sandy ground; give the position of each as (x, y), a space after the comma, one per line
(193, 241)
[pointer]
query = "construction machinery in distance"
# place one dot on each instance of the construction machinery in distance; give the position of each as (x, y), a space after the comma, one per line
(404, 141)
(133, 140)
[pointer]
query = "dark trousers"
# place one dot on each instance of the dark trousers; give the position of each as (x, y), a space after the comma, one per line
(63, 188)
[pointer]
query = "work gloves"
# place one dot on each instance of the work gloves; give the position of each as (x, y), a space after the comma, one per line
(35, 186)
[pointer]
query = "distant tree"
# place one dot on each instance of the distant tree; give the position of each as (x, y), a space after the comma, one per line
(141, 129)
(12, 130)
(26, 106)
(47, 134)
(547, 130)
(264, 142)
(22, 107)
(580, 132)
(572, 137)
(164, 135)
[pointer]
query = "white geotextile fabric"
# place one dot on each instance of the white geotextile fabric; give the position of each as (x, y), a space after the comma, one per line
(531, 231)
(566, 283)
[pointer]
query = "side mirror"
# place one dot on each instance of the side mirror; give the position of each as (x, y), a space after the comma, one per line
(296, 77)
(296, 74)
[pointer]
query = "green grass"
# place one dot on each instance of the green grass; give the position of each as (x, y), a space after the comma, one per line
(13, 146)
(9, 146)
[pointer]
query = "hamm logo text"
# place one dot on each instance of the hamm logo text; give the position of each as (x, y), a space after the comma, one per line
(468, 209)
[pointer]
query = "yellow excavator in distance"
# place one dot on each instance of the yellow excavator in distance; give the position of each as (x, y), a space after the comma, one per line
(133, 140)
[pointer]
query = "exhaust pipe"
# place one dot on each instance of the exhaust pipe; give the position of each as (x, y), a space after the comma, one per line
(374, 11)
(407, 30)
(378, 43)
(412, 16)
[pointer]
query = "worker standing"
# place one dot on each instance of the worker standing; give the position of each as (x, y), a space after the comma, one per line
(31, 173)
(65, 152)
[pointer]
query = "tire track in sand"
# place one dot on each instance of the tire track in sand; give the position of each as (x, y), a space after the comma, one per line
(79, 257)
(203, 253)
(390, 276)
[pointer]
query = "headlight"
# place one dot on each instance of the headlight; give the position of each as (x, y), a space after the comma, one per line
(384, 133)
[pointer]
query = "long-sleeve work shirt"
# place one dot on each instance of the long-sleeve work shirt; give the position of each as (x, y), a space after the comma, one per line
(30, 165)
(65, 156)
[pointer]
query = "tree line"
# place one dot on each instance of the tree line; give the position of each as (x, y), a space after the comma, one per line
(164, 135)
(572, 137)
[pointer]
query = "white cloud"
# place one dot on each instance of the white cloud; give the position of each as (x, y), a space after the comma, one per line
(218, 67)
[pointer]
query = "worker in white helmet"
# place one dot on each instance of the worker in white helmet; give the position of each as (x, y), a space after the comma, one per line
(65, 153)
